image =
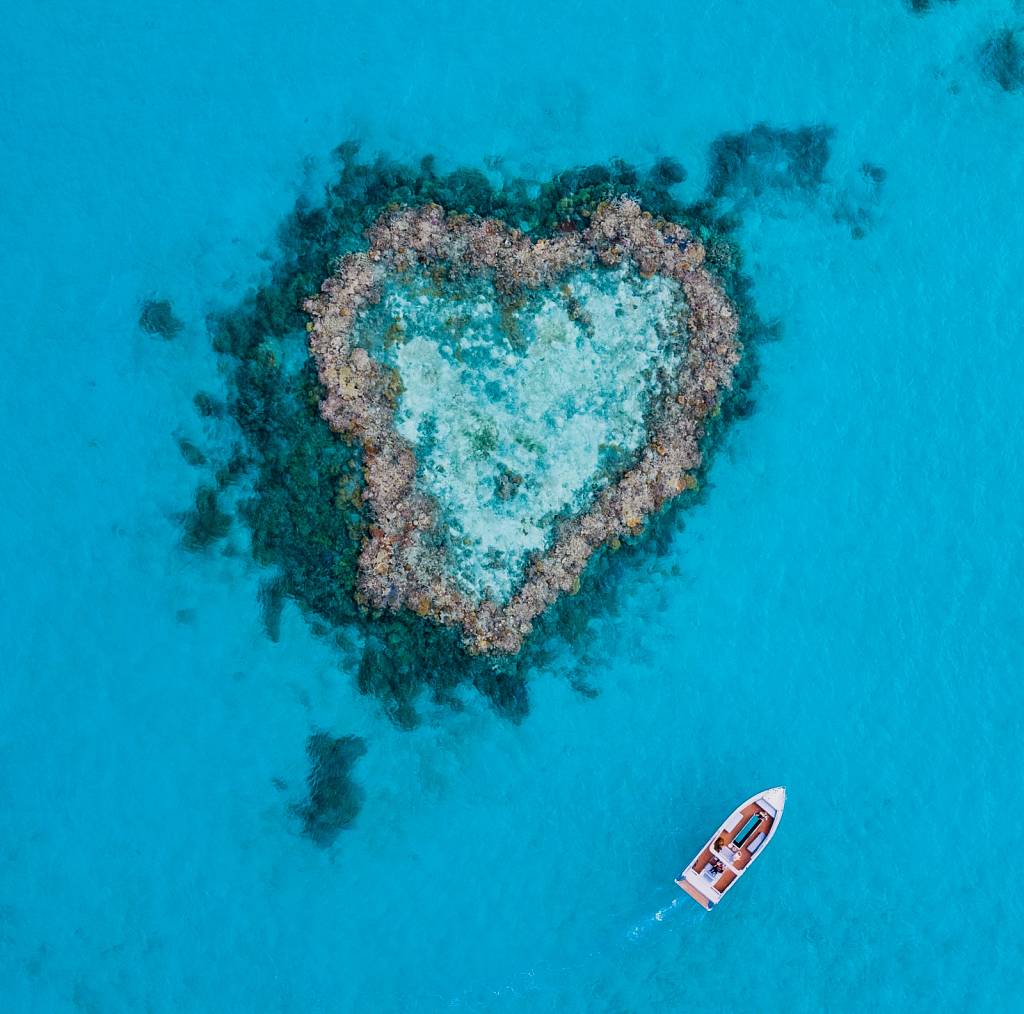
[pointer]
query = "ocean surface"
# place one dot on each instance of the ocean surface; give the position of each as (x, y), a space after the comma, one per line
(841, 615)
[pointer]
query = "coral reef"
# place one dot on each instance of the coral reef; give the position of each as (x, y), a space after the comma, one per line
(191, 453)
(400, 565)
(207, 405)
(766, 157)
(335, 798)
(296, 486)
(515, 406)
(778, 167)
(1002, 59)
(157, 318)
(923, 6)
(855, 204)
(206, 523)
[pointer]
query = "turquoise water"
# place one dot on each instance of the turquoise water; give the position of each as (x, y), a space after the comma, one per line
(479, 408)
(841, 615)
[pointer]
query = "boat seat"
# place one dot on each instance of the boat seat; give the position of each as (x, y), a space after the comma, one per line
(756, 842)
(748, 830)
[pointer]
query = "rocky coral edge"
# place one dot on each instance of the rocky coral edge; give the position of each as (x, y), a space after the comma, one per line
(398, 566)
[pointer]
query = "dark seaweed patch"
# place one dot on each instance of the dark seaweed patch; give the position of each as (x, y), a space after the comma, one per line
(157, 318)
(271, 598)
(769, 158)
(207, 405)
(750, 166)
(335, 799)
(875, 173)
(192, 454)
(855, 205)
(1002, 59)
(923, 6)
(667, 172)
(206, 523)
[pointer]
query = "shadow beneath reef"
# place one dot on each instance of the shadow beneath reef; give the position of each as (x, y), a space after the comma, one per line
(334, 798)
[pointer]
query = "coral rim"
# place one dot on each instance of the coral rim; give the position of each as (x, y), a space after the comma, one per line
(399, 567)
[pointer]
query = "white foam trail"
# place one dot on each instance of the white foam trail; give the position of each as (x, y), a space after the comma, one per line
(651, 921)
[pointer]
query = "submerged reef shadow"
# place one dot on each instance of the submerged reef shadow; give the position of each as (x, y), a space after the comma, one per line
(334, 798)
(923, 6)
(767, 163)
(156, 317)
(296, 486)
(1002, 59)
(751, 162)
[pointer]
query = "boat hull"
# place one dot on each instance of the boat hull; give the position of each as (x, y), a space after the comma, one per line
(732, 849)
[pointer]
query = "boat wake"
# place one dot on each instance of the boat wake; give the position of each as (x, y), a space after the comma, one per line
(664, 913)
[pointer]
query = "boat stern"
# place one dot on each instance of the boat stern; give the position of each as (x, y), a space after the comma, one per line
(698, 896)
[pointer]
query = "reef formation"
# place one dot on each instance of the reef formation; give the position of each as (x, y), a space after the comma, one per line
(284, 488)
(1002, 58)
(156, 317)
(558, 283)
(334, 798)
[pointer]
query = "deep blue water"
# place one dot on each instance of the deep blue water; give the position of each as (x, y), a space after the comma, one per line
(842, 615)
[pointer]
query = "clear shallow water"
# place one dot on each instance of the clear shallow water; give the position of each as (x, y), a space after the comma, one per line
(842, 615)
(547, 416)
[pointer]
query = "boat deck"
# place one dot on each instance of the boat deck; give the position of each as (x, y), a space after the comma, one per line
(723, 859)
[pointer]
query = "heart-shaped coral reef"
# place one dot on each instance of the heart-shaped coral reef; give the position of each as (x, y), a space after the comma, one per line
(519, 402)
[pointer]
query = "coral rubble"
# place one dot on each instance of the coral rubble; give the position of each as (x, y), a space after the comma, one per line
(403, 564)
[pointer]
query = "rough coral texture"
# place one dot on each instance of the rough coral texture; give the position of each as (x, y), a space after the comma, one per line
(400, 566)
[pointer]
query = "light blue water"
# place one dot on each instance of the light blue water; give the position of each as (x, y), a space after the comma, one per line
(842, 615)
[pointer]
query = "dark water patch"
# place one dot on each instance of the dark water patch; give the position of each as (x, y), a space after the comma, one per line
(191, 453)
(271, 596)
(769, 158)
(667, 172)
(1002, 59)
(299, 485)
(923, 6)
(185, 616)
(206, 523)
(856, 205)
(208, 406)
(403, 658)
(157, 318)
(875, 173)
(335, 798)
(766, 163)
(233, 469)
